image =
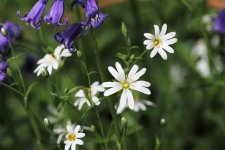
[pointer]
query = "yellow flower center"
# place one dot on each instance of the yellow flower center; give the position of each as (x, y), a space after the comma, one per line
(125, 85)
(72, 137)
(157, 42)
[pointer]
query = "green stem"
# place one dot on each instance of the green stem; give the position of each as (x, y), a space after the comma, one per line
(18, 70)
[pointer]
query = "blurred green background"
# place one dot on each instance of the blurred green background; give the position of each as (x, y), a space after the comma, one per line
(192, 105)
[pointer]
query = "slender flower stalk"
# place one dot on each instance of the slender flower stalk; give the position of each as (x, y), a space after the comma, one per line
(56, 13)
(126, 83)
(34, 16)
(160, 41)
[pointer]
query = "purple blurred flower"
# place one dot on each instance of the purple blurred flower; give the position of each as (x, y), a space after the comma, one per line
(67, 38)
(74, 2)
(3, 69)
(94, 17)
(29, 65)
(219, 22)
(56, 13)
(34, 16)
(12, 32)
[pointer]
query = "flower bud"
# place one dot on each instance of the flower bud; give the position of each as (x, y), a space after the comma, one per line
(4, 31)
(79, 54)
(46, 122)
(163, 122)
(123, 121)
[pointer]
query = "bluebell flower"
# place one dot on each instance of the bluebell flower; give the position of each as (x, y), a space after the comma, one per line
(68, 37)
(94, 17)
(3, 69)
(34, 16)
(219, 22)
(12, 32)
(56, 13)
(74, 2)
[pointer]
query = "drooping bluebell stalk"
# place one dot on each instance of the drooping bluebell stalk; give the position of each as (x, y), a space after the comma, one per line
(56, 13)
(68, 37)
(12, 31)
(94, 17)
(34, 16)
(3, 69)
(219, 22)
(74, 2)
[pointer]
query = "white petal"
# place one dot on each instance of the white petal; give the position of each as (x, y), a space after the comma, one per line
(169, 35)
(67, 146)
(96, 100)
(168, 48)
(73, 146)
(154, 52)
(163, 30)
(77, 128)
(69, 128)
(147, 42)
(112, 90)
(171, 41)
(114, 73)
(108, 84)
(162, 53)
(55, 65)
(142, 83)
(80, 135)
(130, 99)
(149, 103)
(120, 71)
(122, 103)
(49, 70)
(150, 46)
(156, 30)
(142, 90)
(80, 93)
(149, 36)
(79, 142)
(138, 74)
(120, 109)
(133, 71)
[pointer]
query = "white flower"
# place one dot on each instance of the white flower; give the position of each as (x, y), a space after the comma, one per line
(126, 84)
(92, 93)
(160, 41)
(72, 137)
(51, 61)
(139, 105)
(200, 52)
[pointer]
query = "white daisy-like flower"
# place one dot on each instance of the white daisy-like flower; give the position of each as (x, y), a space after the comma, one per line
(73, 137)
(51, 61)
(160, 41)
(126, 83)
(92, 93)
(139, 105)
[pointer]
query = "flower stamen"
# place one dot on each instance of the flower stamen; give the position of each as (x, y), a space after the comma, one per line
(157, 42)
(72, 137)
(125, 85)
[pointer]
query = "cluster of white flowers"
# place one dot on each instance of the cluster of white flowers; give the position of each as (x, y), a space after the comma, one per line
(160, 41)
(51, 61)
(126, 83)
